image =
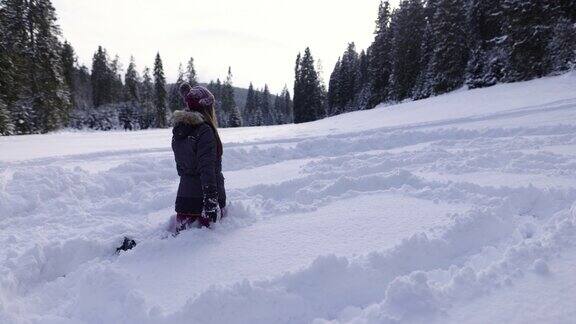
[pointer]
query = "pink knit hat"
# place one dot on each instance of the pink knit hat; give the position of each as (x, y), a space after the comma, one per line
(199, 97)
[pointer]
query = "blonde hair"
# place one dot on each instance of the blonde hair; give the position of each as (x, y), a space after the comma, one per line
(209, 114)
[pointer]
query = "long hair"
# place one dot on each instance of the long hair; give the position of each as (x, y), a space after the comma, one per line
(209, 114)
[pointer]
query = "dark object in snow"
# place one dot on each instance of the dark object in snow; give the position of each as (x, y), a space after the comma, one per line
(128, 244)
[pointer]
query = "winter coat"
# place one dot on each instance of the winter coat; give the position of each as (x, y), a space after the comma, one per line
(197, 161)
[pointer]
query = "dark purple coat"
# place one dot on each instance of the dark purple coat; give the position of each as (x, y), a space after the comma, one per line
(197, 162)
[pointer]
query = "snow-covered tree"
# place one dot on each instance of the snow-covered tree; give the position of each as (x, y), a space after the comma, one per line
(447, 65)
(308, 94)
(380, 58)
(561, 51)
(6, 126)
(159, 93)
(132, 81)
(175, 101)
(191, 76)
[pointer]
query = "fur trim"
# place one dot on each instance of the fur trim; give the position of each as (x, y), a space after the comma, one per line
(188, 117)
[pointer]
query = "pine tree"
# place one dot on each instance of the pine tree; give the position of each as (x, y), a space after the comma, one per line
(227, 98)
(423, 88)
(7, 68)
(14, 54)
(449, 54)
(101, 82)
(159, 93)
(380, 58)
(250, 107)
(117, 92)
(68, 58)
(349, 76)
(277, 110)
(308, 94)
(334, 100)
(288, 108)
(407, 25)
(363, 82)
(132, 81)
(528, 31)
(6, 126)
(76, 78)
(174, 98)
(561, 51)
(486, 38)
(345, 83)
(147, 86)
(257, 116)
(267, 117)
(235, 119)
(36, 56)
(191, 76)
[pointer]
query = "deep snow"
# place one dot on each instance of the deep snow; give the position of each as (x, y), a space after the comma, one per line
(459, 208)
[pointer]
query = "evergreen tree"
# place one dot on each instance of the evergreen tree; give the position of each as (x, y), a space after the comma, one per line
(235, 119)
(227, 98)
(363, 82)
(132, 81)
(345, 83)
(528, 32)
(6, 126)
(68, 58)
(423, 88)
(101, 83)
(561, 51)
(277, 110)
(147, 86)
(349, 76)
(257, 116)
(15, 58)
(287, 106)
(449, 54)
(407, 26)
(174, 98)
(308, 94)
(487, 58)
(39, 62)
(117, 87)
(334, 100)
(191, 76)
(250, 107)
(76, 78)
(267, 117)
(8, 85)
(380, 58)
(159, 93)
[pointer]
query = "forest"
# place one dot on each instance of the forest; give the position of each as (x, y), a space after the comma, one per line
(427, 48)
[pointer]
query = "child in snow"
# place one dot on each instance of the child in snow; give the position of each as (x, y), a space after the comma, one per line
(198, 152)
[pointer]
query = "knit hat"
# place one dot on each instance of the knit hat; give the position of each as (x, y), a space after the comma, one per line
(199, 97)
(184, 89)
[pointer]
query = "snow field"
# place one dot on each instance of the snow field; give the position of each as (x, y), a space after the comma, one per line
(424, 215)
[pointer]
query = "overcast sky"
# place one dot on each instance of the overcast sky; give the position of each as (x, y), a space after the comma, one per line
(258, 38)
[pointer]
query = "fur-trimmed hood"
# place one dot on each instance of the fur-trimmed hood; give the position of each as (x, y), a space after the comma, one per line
(188, 117)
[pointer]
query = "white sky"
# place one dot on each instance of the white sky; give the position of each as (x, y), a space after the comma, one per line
(258, 38)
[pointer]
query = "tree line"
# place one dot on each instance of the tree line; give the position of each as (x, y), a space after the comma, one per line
(43, 87)
(427, 48)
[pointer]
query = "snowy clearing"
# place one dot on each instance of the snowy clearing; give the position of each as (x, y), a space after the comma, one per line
(459, 208)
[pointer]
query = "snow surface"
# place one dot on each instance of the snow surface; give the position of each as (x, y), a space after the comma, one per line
(455, 209)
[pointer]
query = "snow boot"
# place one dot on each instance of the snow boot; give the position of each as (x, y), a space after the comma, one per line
(128, 244)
